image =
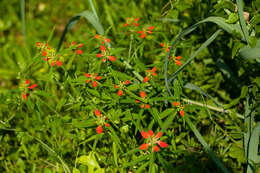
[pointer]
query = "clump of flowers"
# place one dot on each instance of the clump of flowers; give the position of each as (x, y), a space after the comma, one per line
(130, 21)
(49, 54)
(105, 54)
(150, 74)
(121, 87)
(179, 107)
(165, 47)
(143, 105)
(100, 121)
(27, 89)
(79, 51)
(94, 78)
(143, 33)
(102, 39)
(152, 140)
(177, 60)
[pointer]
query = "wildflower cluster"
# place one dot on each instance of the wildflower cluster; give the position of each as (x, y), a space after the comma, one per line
(49, 54)
(27, 88)
(179, 108)
(133, 26)
(94, 78)
(143, 105)
(100, 121)
(152, 140)
(79, 51)
(150, 74)
(105, 54)
(121, 87)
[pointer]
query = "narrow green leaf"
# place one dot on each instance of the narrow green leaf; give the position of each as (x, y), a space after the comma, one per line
(87, 15)
(248, 53)
(136, 161)
(242, 20)
(205, 145)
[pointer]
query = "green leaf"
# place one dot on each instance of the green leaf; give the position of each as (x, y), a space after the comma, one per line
(250, 53)
(205, 145)
(242, 20)
(87, 15)
(253, 157)
(136, 161)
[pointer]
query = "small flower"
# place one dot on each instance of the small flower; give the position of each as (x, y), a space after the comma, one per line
(25, 94)
(105, 53)
(142, 94)
(73, 43)
(79, 52)
(58, 63)
(97, 112)
(44, 53)
(99, 129)
(120, 92)
(101, 121)
(152, 140)
(150, 74)
(144, 146)
(177, 60)
(156, 148)
(179, 107)
(143, 33)
(93, 78)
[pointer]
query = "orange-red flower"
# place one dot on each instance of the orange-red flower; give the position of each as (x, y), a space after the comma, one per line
(105, 53)
(152, 141)
(101, 121)
(93, 77)
(177, 60)
(144, 32)
(130, 21)
(25, 93)
(143, 96)
(121, 87)
(179, 107)
(150, 74)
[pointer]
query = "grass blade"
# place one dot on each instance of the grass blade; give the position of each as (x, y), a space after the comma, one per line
(87, 15)
(250, 53)
(242, 21)
(23, 20)
(205, 145)
(204, 45)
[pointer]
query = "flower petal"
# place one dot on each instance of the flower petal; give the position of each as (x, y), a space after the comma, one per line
(99, 129)
(144, 146)
(144, 134)
(156, 148)
(162, 144)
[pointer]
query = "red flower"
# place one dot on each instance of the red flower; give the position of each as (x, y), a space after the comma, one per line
(144, 146)
(144, 134)
(127, 82)
(176, 103)
(99, 129)
(94, 84)
(159, 134)
(58, 63)
(97, 113)
(120, 92)
(102, 48)
(147, 106)
(73, 43)
(80, 45)
(152, 140)
(111, 58)
(99, 55)
(32, 86)
(146, 79)
(182, 113)
(162, 144)
(142, 35)
(150, 133)
(156, 148)
(79, 52)
(38, 44)
(107, 125)
(142, 94)
(44, 53)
